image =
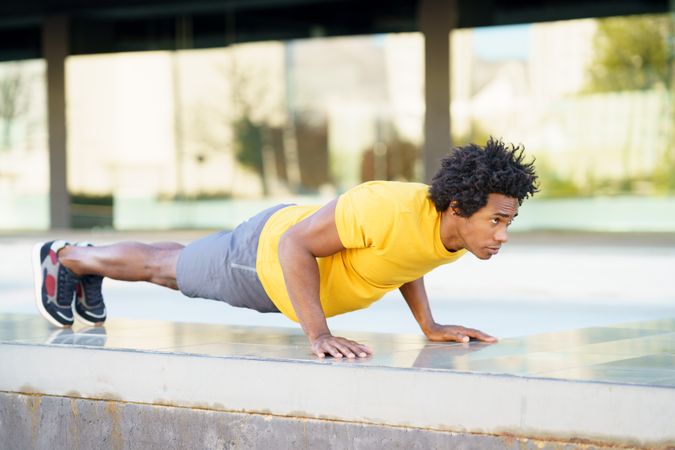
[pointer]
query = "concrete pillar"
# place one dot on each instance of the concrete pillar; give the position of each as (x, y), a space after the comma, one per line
(436, 19)
(55, 48)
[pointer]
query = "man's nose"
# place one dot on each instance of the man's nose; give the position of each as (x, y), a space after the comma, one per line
(502, 236)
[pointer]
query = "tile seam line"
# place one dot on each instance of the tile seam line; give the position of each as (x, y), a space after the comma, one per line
(573, 440)
(347, 365)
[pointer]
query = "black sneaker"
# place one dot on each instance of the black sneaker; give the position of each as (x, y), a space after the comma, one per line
(54, 284)
(88, 306)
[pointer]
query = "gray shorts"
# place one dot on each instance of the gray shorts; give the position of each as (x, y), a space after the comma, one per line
(221, 266)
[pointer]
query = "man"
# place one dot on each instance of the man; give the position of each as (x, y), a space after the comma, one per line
(311, 262)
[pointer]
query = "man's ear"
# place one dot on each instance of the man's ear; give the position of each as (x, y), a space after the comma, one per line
(453, 208)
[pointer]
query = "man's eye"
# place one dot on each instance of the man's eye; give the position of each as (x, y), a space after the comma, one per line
(495, 221)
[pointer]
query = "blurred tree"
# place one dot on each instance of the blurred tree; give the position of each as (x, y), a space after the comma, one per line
(13, 102)
(630, 53)
(249, 119)
(248, 133)
(393, 158)
(249, 143)
(311, 128)
(638, 53)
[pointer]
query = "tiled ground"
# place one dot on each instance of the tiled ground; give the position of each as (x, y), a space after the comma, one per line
(633, 353)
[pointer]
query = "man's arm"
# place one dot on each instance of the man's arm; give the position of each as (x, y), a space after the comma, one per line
(314, 237)
(415, 295)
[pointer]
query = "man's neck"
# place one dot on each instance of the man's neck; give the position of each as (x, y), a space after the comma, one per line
(449, 231)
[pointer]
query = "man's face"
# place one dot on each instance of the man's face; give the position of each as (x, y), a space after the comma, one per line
(486, 230)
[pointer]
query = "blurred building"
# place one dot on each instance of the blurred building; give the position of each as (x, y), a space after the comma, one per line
(196, 119)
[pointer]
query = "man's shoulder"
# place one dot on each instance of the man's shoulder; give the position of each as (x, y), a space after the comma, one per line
(395, 189)
(386, 197)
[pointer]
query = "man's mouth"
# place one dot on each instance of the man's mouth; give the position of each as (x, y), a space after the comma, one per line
(493, 250)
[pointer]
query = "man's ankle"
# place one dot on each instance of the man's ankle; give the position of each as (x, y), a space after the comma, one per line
(68, 257)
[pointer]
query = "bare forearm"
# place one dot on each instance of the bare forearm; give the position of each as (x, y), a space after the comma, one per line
(301, 274)
(415, 295)
(312, 238)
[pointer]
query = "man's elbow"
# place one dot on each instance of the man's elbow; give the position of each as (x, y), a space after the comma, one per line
(288, 242)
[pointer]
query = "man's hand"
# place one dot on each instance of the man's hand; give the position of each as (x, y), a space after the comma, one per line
(456, 333)
(416, 296)
(337, 347)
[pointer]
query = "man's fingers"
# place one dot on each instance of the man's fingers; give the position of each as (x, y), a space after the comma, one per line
(345, 349)
(356, 349)
(456, 336)
(324, 348)
(457, 333)
(360, 350)
(364, 350)
(477, 334)
(318, 351)
(332, 348)
(460, 337)
(340, 347)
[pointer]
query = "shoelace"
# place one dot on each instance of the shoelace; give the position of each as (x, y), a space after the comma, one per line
(92, 290)
(66, 284)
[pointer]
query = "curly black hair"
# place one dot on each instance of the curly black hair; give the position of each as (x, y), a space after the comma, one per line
(471, 172)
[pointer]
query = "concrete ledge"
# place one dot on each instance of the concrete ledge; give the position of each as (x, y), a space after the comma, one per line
(424, 399)
(39, 421)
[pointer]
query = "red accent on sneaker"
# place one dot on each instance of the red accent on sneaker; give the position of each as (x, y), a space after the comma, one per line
(78, 289)
(50, 284)
(53, 257)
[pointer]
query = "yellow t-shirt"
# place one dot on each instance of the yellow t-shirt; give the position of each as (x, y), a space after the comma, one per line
(391, 234)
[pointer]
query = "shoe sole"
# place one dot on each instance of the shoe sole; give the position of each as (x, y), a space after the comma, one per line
(37, 282)
(85, 320)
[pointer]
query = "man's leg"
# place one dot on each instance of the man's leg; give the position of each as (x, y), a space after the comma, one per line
(126, 261)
